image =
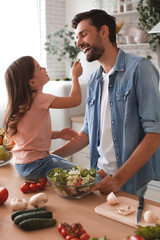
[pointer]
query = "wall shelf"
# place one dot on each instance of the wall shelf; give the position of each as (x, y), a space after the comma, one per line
(128, 13)
(136, 45)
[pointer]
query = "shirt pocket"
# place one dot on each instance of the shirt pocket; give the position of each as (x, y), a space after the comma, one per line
(90, 102)
(122, 100)
(90, 108)
(122, 96)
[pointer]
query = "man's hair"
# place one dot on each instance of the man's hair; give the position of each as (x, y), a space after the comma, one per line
(98, 18)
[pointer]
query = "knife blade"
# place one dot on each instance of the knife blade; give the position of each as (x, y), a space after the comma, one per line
(140, 209)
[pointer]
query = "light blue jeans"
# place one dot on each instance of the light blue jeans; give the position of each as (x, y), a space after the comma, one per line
(40, 167)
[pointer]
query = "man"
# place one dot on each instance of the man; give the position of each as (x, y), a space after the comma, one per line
(122, 119)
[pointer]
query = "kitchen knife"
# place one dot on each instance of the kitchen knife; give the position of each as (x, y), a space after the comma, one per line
(140, 209)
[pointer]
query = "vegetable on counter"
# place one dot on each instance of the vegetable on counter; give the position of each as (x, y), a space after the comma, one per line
(18, 204)
(94, 238)
(40, 214)
(33, 219)
(37, 223)
(73, 231)
(17, 213)
(134, 237)
(39, 200)
(3, 195)
(34, 186)
(149, 232)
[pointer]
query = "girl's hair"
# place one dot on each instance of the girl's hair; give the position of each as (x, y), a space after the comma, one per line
(98, 18)
(19, 92)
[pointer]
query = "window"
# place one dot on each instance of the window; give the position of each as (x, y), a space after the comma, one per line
(19, 27)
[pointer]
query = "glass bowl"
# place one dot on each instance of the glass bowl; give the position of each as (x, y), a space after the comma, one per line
(71, 191)
(5, 154)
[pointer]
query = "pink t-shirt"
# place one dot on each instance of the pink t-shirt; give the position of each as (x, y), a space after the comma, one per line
(33, 137)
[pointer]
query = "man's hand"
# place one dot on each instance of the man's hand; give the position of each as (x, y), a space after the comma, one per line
(107, 184)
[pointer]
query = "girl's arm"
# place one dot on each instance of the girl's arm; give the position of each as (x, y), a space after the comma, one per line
(75, 95)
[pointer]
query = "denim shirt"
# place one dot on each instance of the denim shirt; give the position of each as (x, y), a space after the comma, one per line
(135, 110)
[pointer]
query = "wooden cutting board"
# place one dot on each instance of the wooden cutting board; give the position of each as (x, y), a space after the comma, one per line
(109, 211)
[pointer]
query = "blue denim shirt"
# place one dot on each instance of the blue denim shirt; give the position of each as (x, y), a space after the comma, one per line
(135, 110)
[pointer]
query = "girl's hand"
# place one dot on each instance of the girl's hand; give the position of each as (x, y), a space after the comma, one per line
(76, 69)
(68, 134)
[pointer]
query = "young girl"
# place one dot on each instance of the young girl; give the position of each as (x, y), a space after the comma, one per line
(27, 117)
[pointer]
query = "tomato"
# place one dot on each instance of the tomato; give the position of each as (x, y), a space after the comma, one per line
(69, 237)
(60, 227)
(77, 226)
(79, 182)
(82, 231)
(135, 238)
(24, 188)
(33, 187)
(84, 236)
(3, 195)
(28, 183)
(43, 180)
(41, 186)
(64, 233)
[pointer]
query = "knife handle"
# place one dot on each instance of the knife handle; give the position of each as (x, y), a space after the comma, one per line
(141, 202)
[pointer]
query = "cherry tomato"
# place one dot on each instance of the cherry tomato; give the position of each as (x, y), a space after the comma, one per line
(69, 237)
(3, 195)
(43, 180)
(28, 183)
(79, 182)
(41, 186)
(60, 227)
(135, 238)
(24, 188)
(64, 233)
(84, 236)
(82, 231)
(33, 187)
(77, 226)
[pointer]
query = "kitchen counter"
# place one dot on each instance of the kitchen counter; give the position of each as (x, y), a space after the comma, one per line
(64, 210)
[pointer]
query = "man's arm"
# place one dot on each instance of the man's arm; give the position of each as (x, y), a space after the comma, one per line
(140, 156)
(72, 147)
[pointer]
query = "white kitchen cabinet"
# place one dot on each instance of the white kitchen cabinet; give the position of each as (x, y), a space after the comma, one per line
(81, 158)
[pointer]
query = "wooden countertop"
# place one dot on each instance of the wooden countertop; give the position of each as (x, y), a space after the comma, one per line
(64, 210)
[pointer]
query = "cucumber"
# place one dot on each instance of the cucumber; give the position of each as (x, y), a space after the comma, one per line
(37, 209)
(37, 223)
(40, 214)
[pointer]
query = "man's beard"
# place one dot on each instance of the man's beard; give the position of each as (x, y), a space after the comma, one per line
(95, 54)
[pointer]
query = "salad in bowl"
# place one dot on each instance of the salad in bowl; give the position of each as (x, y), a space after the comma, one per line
(72, 183)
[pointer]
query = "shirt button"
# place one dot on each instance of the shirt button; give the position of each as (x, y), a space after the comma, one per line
(111, 103)
(117, 157)
(110, 85)
(112, 122)
(114, 139)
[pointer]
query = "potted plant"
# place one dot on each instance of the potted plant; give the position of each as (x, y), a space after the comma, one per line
(62, 43)
(149, 16)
